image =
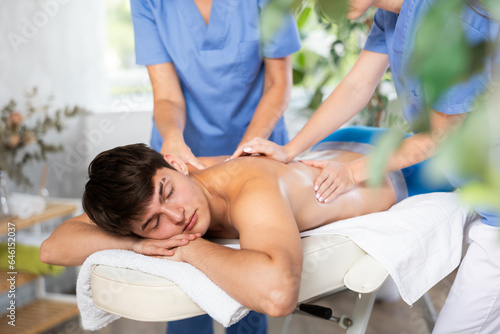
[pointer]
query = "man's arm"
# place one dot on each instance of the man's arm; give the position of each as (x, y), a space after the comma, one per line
(77, 238)
(265, 274)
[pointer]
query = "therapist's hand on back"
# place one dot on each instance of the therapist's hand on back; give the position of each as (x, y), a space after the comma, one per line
(335, 178)
(263, 147)
(181, 151)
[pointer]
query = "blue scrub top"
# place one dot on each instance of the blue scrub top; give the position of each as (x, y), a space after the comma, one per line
(393, 34)
(220, 66)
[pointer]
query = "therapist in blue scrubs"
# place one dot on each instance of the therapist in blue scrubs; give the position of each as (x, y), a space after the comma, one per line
(473, 305)
(215, 84)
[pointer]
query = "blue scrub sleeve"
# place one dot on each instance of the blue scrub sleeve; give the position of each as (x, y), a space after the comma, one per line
(285, 41)
(461, 97)
(376, 41)
(149, 49)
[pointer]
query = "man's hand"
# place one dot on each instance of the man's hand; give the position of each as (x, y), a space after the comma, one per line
(262, 146)
(163, 248)
(335, 179)
(181, 151)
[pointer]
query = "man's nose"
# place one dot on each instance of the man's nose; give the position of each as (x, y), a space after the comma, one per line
(176, 214)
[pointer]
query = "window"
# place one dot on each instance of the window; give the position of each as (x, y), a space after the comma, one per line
(128, 82)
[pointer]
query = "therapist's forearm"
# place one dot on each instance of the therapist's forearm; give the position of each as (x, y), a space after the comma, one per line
(412, 150)
(340, 106)
(269, 111)
(416, 148)
(170, 120)
(347, 99)
(275, 97)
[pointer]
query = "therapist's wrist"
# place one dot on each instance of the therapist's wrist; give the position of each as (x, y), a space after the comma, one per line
(173, 135)
(359, 170)
(290, 151)
(173, 143)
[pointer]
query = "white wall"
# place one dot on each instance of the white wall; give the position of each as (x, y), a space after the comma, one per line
(56, 45)
(83, 140)
(59, 47)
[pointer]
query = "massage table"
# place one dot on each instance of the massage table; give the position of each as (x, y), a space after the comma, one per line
(418, 242)
(332, 263)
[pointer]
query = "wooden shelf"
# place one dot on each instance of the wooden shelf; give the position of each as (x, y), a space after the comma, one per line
(21, 279)
(39, 316)
(53, 210)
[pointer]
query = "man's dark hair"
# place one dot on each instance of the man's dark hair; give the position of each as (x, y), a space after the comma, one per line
(120, 186)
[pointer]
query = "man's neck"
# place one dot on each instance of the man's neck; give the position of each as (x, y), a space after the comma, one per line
(216, 197)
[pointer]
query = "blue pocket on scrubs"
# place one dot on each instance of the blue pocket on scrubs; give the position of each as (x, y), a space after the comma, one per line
(248, 66)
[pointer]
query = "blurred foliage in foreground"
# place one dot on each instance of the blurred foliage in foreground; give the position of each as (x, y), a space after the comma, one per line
(442, 58)
(329, 49)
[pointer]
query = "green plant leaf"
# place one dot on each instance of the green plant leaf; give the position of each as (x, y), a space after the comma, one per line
(273, 16)
(484, 194)
(493, 8)
(442, 55)
(303, 17)
(298, 76)
(333, 10)
(466, 152)
(384, 147)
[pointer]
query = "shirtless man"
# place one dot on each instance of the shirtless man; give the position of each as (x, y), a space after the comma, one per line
(264, 203)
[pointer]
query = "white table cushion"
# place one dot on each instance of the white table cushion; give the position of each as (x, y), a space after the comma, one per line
(136, 295)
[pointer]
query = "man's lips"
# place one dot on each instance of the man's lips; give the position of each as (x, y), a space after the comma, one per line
(191, 222)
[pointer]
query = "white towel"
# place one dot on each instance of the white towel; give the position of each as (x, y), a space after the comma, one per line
(212, 299)
(418, 241)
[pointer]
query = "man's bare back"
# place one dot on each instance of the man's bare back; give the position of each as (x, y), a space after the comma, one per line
(295, 181)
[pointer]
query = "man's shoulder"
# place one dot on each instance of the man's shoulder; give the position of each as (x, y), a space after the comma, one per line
(247, 175)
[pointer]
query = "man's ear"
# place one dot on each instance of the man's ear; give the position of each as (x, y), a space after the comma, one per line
(177, 163)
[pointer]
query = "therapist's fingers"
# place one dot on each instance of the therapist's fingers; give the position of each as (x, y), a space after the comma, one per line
(330, 182)
(193, 161)
(259, 148)
(240, 150)
(267, 148)
(327, 188)
(183, 152)
(322, 182)
(237, 153)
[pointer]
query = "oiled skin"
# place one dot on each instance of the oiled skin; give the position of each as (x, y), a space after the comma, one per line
(295, 180)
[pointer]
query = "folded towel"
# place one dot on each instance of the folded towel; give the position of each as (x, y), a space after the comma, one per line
(212, 299)
(418, 241)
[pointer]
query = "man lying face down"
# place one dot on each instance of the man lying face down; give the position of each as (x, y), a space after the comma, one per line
(134, 191)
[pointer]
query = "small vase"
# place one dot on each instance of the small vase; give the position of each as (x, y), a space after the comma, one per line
(4, 197)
